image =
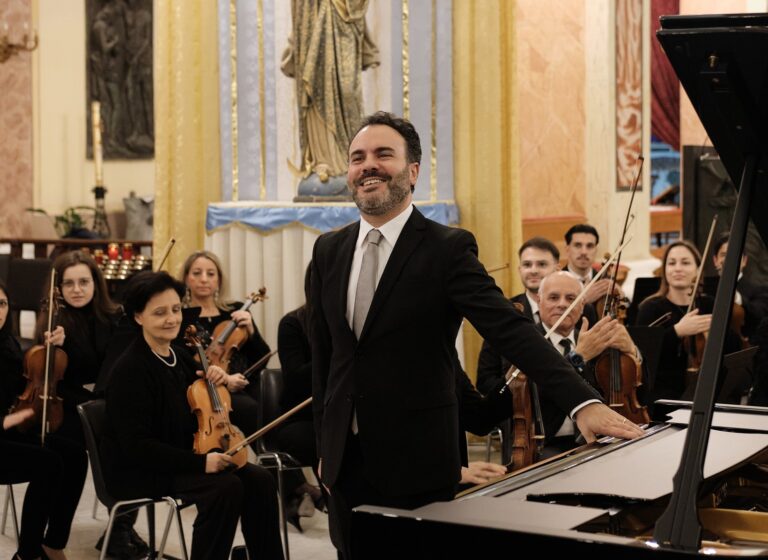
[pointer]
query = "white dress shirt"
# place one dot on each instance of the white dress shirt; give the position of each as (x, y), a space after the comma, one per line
(390, 232)
(567, 427)
(534, 307)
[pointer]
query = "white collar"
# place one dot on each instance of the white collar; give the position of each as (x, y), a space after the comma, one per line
(390, 231)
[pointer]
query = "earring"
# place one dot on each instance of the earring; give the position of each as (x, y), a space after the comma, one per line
(187, 298)
(216, 296)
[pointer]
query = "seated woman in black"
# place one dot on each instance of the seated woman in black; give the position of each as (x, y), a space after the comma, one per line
(296, 436)
(679, 268)
(55, 471)
(204, 308)
(147, 448)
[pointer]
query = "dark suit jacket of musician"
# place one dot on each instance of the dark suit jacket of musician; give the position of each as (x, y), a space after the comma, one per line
(399, 377)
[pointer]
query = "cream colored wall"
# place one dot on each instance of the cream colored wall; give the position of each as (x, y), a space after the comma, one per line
(550, 79)
(63, 175)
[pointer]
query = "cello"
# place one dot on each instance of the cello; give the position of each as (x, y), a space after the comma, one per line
(527, 420)
(44, 367)
(617, 374)
(211, 405)
(227, 338)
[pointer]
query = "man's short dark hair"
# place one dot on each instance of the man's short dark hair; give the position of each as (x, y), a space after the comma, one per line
(581, 228)
(721, 240)
(402, 126)
(542, 244)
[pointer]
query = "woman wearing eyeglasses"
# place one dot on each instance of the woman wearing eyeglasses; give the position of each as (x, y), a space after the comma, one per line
(87, 324)
(55, 472)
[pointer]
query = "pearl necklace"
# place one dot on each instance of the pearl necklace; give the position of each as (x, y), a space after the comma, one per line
(164, 360)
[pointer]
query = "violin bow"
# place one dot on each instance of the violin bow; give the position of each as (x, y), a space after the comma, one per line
(276, 422)
(497, 268)
(263, 360)
(701, 265)
(513, 371)
(166, 252)
(48, 355)
(609, 295)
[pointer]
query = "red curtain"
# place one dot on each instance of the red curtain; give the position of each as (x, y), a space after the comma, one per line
(665, 87)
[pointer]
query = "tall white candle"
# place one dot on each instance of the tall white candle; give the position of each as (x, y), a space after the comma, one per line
(97, 152)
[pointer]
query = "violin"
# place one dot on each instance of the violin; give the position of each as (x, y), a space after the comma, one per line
(694, 345)
(211, 405)
(227, 338)
(618, 375)
(44, 367)
(527, 420)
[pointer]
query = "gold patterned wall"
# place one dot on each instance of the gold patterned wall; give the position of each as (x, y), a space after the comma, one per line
(550, 81)
(629, 90)
(16, 126)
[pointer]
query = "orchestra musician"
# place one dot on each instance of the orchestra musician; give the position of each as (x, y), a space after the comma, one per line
(679, 267)
(296, 436)
(580, 343)
(88, 334)
(147, 447)
(205, 310)
(388, 296)
(55, 471)
(538, 258)
(749, 295)
(581, 243)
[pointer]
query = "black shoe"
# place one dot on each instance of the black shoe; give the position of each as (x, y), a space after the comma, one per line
(120, 546)
(292, 512)
(138, 543)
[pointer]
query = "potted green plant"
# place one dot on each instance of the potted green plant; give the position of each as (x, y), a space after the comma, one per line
(71, 222)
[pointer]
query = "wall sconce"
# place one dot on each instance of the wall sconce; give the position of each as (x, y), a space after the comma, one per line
(8, 48)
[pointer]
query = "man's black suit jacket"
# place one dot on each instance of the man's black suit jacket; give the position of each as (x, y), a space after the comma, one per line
(399, 377)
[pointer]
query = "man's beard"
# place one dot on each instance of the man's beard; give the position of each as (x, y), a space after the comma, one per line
(398, 189)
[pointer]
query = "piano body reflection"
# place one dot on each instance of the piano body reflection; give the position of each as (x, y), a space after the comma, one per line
(694, 485)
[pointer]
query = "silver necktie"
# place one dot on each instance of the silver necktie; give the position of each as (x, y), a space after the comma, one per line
(366, 283)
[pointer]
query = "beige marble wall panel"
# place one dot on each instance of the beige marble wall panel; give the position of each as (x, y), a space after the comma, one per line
(629, 90)
(691, 129)
(550, 77)
(16, 124)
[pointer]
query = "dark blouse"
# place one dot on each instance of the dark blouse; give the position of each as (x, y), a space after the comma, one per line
(669, 382)
(296, 362)
(251, 352)
(150, 428)
(87, 343)
(12, 382)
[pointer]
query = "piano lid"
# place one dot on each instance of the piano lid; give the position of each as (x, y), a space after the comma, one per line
(721, 63)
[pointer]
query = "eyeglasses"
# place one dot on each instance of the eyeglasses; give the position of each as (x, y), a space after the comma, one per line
(82, 283)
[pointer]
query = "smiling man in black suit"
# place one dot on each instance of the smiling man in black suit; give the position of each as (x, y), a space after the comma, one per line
(388, 296)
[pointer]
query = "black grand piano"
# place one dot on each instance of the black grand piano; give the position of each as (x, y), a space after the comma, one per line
(695, 485)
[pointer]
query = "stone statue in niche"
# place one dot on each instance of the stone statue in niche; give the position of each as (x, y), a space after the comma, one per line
(326, 54)
(119, 52)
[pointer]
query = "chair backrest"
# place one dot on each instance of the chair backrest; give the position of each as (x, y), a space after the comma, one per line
(5, 261)
(93, 415)
(27, 279)
(271, 387)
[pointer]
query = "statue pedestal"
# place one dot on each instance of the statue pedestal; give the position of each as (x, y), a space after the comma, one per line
(312, 189)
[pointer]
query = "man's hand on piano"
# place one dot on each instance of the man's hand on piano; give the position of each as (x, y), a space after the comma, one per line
(598, 419)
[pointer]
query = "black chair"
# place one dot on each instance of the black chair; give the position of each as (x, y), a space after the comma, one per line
(93, 417)
(271, 390)
(27, 281)
(10, 500)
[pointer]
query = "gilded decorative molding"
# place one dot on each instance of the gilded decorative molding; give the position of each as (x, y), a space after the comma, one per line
(233, 95)
(262, 123)
(433, 115)
(406, 64)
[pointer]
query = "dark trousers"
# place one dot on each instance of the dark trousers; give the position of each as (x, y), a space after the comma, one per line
(56, 474)
(298, 440)
(248, 494)
(352, 490)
